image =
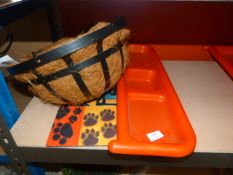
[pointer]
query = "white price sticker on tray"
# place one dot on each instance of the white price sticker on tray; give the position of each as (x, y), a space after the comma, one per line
(156, 135)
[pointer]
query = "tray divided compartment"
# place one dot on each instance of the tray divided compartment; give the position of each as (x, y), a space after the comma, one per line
(147, 103)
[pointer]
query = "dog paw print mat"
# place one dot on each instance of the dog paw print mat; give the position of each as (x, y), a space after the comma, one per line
(93, 123)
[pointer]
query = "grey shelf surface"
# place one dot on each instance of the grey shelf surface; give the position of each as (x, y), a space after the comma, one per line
(205, 92)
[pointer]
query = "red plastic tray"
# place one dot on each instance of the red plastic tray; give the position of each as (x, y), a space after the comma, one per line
(224, 56)
(147, 102)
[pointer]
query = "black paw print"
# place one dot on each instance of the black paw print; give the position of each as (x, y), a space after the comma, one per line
(90, 137)
(62, 132)
(77, 111)
(90, 119)
(107, 114)
(62, 112)
(109, 130)
(73, 118)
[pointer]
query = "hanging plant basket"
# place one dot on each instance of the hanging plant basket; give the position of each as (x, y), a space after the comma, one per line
(77, 70)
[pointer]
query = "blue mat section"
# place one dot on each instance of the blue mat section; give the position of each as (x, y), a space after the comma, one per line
(8, 108)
